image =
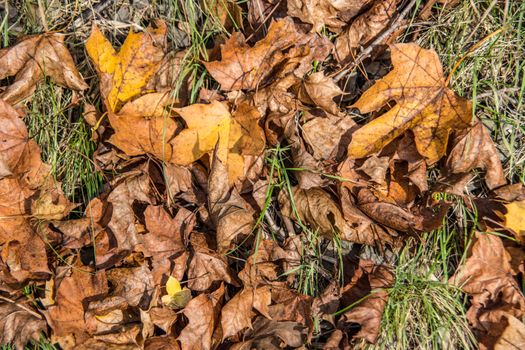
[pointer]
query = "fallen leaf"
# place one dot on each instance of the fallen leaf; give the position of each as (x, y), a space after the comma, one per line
(18, 325)
(513, 337)
(320, 90)
(203, 315)
(245, 67)
(145, 126)
(237, 313)
(67, 316)
(514, 219)
(161, 343)
(368, 285)
(331, 13)
(207, 267)
(212, 125)
(176, 297)
(32, 60)
(123, 75)
(363, 29)
(424, 105)
(133, 284)
(487, 277)
(474, 150)
(232, 215)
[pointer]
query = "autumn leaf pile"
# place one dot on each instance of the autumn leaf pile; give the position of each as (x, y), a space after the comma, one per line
(197, 238)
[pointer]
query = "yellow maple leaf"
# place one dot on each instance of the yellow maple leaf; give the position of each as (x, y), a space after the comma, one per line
(424, 105)
(211, 125)
(123, 75)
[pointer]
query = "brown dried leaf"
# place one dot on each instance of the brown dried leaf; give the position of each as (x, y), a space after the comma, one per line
(203, 315)
(487, 276)
(231, 214)
(368, 282)
(33, 59)
(363, 29)
(425, 105)
(319, 90)
(477, 150)
(513, 337)
(18, 326)
(73, 292)
(332, 13)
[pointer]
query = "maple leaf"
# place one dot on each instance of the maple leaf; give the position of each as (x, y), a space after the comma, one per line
(123, 75)
(211, 125)
(19, 324)
(424, 105)
(514, 219)
(33, 59)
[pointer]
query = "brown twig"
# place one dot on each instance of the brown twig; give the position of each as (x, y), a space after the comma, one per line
(36, 314)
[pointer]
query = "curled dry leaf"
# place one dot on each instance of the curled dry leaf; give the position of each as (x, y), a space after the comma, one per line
(424, 105)
(363, 29)
(124, 74)
(33, 59)
(332, 13)
(134, 285)
(18, 325)
(231, 214)
(212, 125)
(319, 90)
(245, 67)
(487, 277)
(203, 316)
(474, 150)
(368, 283)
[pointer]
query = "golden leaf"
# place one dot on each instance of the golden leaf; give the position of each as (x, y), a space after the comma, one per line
(123, 75)
(515, 219)
(213, 124)
(424, 105)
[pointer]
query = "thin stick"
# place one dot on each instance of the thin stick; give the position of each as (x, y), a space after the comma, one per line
(36, 314)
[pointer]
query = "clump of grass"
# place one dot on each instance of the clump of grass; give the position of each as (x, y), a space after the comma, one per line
(42, 344)
(493, 74)
(65, 140)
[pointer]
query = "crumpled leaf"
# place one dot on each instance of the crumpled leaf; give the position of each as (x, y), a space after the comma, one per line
(203, 315)
(283, 50)
(245, 67)
(18, 326)
(424, 105)
(368, 282)
(67, 316)
(145, 126)
(363, 29)
(237, 313)
(232, 215)
(513, 337)
(332, 13)
(320, 90)
(206, 266)
(487, 276)
(212, 125)
(123, 75)
(33, 59)
(134, 284)
(477, 150)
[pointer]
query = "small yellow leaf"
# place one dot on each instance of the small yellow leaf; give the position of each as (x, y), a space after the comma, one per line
(123, 75)
(515, 219)
(172, 286)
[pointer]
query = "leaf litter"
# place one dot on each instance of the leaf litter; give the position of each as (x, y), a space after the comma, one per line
(220, 213)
